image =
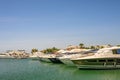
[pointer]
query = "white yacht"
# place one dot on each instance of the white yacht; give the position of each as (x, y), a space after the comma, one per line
(107, 58)
(66, 59)
(67, 56)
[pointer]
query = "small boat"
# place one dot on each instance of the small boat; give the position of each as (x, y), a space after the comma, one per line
(107, 58)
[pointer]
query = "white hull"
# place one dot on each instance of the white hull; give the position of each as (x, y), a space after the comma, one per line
(98, 63)
(44, 59)
(98, 67)
(67, 61)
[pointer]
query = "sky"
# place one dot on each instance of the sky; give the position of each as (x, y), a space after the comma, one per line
(41, 24)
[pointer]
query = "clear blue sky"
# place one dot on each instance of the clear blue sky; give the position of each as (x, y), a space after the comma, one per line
(27, 24)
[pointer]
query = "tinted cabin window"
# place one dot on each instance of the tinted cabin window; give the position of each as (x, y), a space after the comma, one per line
(110, 60)
(92, 60)
(102, 60)
(118, 51)
(118, 60)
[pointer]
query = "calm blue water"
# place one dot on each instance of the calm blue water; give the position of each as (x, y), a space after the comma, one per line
(26, 69)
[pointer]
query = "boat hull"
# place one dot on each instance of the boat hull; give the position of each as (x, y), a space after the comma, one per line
(67, 61)
(44, 59)
(54, 60)
(103, 63)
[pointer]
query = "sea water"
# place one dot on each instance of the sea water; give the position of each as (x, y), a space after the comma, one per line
(27, 69)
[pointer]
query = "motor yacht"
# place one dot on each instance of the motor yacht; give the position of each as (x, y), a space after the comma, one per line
(67, 56)
(106, 58)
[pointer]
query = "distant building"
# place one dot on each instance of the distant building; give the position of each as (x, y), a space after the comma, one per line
(17, 53)
(23, 51)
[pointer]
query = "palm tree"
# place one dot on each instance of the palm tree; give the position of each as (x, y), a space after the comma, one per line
(92, 47)
(50, 50)
(118, 45)
(98, 46)
(34, 50)
(81, 45)
(109, 45)
(102, 47)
